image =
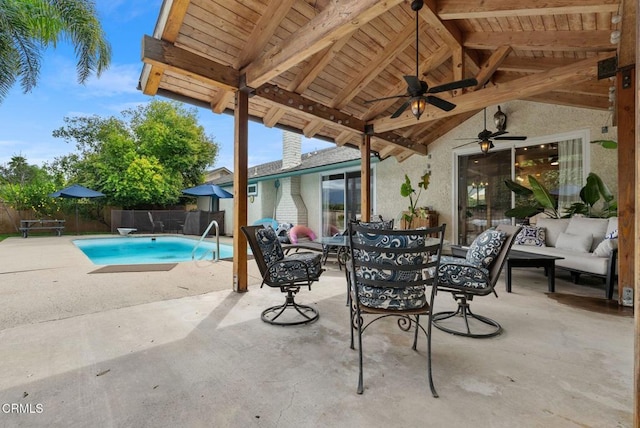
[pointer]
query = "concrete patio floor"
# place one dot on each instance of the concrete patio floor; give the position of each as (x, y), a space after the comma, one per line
(179, 348)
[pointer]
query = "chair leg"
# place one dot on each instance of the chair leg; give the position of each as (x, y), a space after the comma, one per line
(360, 375)
(309, 314)
(431, 385)
(464, 311)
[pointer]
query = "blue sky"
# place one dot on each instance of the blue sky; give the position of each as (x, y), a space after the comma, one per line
(28, 120)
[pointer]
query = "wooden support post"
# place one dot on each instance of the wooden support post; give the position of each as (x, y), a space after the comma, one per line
(241, 142)
(365, 178)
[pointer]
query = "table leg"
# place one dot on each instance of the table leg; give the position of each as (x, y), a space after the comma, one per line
(508, 281)
(551, 276)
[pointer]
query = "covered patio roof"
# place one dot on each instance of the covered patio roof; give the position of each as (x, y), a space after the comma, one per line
(310, 65)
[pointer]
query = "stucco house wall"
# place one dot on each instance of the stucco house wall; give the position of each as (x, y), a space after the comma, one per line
(524, 118)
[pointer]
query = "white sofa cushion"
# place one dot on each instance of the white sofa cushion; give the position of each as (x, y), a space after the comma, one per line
(596, 227)
(553, 228)
(585, 262)
(605, 248)
(572, 242)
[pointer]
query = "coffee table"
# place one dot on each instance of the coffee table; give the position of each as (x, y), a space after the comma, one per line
(517, 259)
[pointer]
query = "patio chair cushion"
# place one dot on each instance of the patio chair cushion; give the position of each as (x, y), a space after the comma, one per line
(459, 272)
(269, 245)
(384, 224)
(484, 249)
(407, 297)
(295, 267)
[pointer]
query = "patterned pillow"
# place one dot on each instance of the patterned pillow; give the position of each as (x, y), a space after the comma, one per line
(612, 235)
(484, 249)
(531, 235)
(269, 245)
(388, 224)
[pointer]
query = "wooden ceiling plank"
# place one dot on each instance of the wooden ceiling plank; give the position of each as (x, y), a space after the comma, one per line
(316, 64)
(264, 30)
(333, 23)
(516, 89)
(376, 65)
(555, 41)
(491, 65)
(447, 31)
(159, 53)
(472, 9)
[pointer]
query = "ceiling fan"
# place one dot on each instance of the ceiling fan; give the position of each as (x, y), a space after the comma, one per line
(485, 136)
(418, 91)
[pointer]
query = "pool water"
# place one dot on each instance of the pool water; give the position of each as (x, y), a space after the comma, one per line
(147, 250)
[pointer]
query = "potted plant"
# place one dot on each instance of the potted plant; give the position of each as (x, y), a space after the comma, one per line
(540, 200)
(407, 191)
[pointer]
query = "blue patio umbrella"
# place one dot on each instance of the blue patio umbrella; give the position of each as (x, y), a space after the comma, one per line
(76, 191)
(212, 190)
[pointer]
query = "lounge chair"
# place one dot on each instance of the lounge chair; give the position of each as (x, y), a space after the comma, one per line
(155, 223)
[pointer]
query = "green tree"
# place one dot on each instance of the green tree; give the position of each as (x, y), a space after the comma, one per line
(27, 187)
(143, 159)
(29, 27)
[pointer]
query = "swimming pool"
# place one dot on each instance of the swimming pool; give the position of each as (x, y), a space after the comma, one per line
(147, 250)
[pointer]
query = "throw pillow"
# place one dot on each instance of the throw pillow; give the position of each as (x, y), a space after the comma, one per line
(605, 248)
(484, 249)
(579, 243)
(611, 235)
(531, 235)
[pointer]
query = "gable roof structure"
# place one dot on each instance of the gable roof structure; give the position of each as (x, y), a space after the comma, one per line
(310, 65)
(316, 161)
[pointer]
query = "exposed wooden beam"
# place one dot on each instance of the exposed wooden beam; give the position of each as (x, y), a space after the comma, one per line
(167, 28)
(532, 65)
(344, 137)
(524, 87)
(169, 57)
(222, 99)
(299, 105)
(473, 9)
(445, 126)
(556, 41)
(447, 31)
(375, 67)
(312, 128)
(491, 65)
(627, 47)
(272, 116)
(263, 31)
(330, 25)
(572, 100)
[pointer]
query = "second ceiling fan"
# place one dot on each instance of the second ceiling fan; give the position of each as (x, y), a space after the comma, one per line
(485, 136)
(418, 91)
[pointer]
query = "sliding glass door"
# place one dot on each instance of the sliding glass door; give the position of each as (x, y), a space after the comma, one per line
(341, 201)
(483, 197)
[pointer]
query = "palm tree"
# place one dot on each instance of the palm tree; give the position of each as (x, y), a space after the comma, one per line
(28, 27)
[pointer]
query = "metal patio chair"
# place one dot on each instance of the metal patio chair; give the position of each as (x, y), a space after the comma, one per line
(389, 277)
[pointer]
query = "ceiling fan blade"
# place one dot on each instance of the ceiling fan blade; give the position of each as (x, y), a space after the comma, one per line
(385, 98)
(497, 133)
(440, 103)
(415, 87)
(464, 83)
(401, 110)
(515, 138)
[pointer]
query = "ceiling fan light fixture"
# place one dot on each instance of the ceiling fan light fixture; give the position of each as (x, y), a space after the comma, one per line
(485, 146)
(418, 105)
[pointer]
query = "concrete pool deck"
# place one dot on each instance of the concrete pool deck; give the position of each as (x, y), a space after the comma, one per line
(179, 348)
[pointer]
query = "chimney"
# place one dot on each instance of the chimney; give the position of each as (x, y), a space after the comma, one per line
(291, 149)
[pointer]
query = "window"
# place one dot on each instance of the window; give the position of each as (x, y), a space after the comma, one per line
(252, 190)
